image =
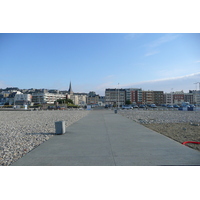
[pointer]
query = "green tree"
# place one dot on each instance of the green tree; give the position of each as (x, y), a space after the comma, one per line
(66, 101)
(128, 102)
(69, 101)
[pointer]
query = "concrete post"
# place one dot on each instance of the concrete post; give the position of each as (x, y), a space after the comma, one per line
(60, 127)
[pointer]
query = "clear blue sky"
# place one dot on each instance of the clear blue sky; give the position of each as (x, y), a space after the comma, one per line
(93, 62)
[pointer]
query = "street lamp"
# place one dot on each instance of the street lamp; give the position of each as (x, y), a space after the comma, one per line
(172, 96)
(118, 95)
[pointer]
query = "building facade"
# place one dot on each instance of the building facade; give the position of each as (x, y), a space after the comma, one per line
(178, 97)
(22, 99)
(115, 97)
(46, 98)
(147, 97)
(158, 97)
(93, 98)
(168, 98)
(134, 95)
(196, 96)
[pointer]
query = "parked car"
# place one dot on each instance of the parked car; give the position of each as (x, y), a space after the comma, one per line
(169, 106)
(142, 106)
(135, 106)
(127, 107)
(176, 106)
(153, 106)
(192, 106)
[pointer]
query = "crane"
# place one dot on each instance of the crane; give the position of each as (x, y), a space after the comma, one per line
(196, 85)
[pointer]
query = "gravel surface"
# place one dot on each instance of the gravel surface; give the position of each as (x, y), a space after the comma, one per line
(180, 126)
(148, 117)
(22, 131)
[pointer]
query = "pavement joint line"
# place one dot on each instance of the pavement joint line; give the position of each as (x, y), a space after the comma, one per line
(109, 140)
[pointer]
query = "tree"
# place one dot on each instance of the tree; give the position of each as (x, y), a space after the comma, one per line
(128, 102)
(67, 101)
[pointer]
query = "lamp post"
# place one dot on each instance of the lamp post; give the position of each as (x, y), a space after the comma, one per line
(118, 95)
(172, 96)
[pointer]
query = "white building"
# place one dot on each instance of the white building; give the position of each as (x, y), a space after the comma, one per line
(22, 99)
(78, 99)
(168, 98)
(46, 98)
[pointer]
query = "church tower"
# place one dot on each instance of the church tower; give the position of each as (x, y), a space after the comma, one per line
(70, 91)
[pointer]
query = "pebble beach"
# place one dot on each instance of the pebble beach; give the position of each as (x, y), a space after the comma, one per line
(22, 131)
(180, 126)
(160, 117)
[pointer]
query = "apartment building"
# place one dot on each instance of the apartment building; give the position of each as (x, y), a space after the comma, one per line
(147, 97)
(196, 96)
(174, 97)
(115, 97)
(46, 98)
(79, 99)
(189, 97)
(134, 95)
(92, 98)
(168, 98)
(178, 97)
(153, 97)
(158, 97)
(22, 99)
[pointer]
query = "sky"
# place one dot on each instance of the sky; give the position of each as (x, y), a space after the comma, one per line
(96, 61)
(153, 45)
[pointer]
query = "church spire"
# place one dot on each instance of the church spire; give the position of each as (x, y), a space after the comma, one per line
(70, 91)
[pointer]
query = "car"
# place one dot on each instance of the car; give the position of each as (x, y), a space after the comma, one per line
(192, 106)
(135, 106)
(169, 106)
(127, 107)
(142, 106)
(176, 106)
(153, 106)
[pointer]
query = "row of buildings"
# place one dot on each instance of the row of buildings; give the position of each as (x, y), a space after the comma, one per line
(119, 97)
(113, 96)
(16, 96)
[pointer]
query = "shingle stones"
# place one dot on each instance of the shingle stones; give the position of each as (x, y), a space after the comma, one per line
(21, 131)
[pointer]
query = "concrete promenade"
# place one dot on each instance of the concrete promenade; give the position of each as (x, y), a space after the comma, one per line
(103, 138)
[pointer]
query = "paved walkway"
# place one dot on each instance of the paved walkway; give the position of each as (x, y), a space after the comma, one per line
(106, 139)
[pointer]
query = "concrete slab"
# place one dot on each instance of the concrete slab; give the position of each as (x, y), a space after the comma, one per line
(106, 139)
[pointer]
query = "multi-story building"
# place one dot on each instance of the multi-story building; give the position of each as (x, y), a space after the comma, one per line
(134, 95)
(158, 97)
(189, 97)
(196, 96)
(46, 98)
(153, 97)
(168, 98)
(178, 97)
(115, 97)
(101, 101)
(147, 97)
(11, 97)
(22, 99)
(92, 98)
(174, 97)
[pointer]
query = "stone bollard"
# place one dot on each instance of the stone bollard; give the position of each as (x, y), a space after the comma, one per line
(60, 127)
